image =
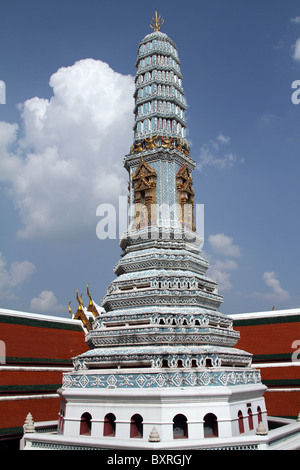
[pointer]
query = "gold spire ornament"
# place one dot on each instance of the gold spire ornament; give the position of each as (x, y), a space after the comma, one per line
(91, 307)
(157, 22)
(70, 311)
(80, 314)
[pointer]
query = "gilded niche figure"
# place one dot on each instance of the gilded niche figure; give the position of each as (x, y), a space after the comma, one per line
(167, 142)
(179, 144)
(151, 142)
(138, 146)
(182, 146)
(144, 185)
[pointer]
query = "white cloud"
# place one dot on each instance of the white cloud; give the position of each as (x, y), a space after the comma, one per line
(296, 51)
(220, 272)
(2, 92)
(223, 245)
(295, 20)
(46, 302)
(268, 118)
(222, 278)
(69, 159)
(223, 139)
(14, 276)
(211, 154)
(221, 269)
(274, 284)
(278, 294)
(228, 265)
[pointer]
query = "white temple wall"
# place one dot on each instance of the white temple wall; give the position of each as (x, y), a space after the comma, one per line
(158, 408)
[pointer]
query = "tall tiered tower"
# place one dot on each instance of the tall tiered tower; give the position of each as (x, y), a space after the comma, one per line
(162, 369)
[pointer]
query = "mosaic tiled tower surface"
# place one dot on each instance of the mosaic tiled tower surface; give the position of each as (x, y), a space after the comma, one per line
(161, 338)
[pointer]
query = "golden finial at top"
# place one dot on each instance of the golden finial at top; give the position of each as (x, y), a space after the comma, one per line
(157, 22)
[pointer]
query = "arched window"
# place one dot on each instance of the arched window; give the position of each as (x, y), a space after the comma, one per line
(85, 424)
(109, 427)
(210, 425)
(259, 416)
(180, 428)
(208, 362)
(250, 419)
(136, 426)
(241, 422)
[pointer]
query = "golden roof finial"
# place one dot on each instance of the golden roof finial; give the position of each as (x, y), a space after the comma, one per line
(157, 22)
(88, 293)
(72, 314)
(79, 300)
(91, 308)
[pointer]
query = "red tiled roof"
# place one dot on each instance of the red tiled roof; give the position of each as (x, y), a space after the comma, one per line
(283, 403)
(45, 343)
(266, 339)
(13, 413)
(29, 380)
(287, 374)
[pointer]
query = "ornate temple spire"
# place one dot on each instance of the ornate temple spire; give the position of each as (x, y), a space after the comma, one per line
(161, 354)
(160, 147)
(159, 96)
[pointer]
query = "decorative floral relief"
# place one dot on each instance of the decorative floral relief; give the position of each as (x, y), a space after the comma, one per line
(161, 380)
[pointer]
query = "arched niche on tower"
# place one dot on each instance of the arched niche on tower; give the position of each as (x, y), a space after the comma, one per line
(185, 197)
(144, 187)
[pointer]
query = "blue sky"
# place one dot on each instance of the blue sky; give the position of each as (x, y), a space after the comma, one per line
(68, 67)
